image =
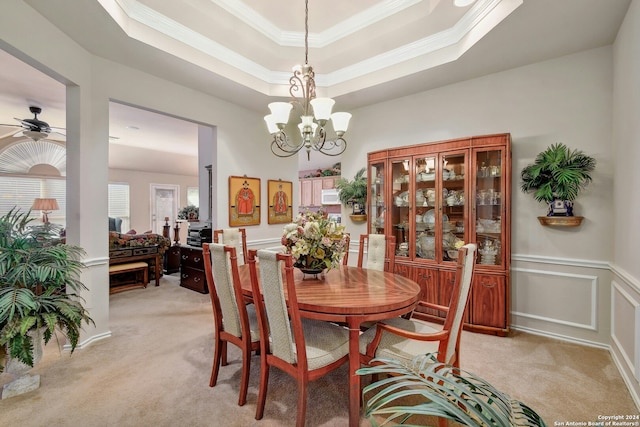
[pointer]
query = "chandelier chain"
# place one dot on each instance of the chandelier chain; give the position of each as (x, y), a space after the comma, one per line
(306, 32)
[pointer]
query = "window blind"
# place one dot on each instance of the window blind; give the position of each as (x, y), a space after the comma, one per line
(119, 204)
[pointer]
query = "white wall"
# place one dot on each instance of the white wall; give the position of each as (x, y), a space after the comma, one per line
(564, 100)
(625, 288)
(241, 147)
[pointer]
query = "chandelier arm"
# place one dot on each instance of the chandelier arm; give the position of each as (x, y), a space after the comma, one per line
(327, 147)
(281, 152)
(283, 144)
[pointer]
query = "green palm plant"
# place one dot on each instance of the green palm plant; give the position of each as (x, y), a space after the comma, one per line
(353, 191)
(557, 173)
(39, 285)
(441, 391)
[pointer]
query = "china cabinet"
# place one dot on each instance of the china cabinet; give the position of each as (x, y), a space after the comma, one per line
(434, 198)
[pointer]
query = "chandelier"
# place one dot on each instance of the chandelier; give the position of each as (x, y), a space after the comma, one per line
(315, 113)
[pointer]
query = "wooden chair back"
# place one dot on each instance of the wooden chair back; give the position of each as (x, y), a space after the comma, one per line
(236, 237)
(345, 259)
(381, 252)
(283, 339)
(233, 321)
(459, 297)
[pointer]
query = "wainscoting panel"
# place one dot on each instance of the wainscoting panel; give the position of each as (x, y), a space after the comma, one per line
(624, 334)
(556, 297)
(562, 298)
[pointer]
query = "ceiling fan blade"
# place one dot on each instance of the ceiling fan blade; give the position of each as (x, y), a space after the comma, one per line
(11, 132)
(57, 136)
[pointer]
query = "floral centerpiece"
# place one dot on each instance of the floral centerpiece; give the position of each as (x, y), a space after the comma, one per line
(315, 242)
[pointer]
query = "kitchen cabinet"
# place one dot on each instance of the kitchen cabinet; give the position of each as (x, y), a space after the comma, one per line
(311, 190)
(437, 196)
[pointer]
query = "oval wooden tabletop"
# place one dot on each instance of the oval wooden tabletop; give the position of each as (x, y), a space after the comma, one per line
(349, 291)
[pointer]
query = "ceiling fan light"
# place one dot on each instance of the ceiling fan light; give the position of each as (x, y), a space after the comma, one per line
(340, 121)
(35, 135)
(280, 112)
(322, 108)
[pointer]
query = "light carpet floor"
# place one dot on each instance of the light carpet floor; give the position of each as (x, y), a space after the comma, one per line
(154, 371)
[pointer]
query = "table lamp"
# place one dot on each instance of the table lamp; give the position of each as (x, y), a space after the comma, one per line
(46, 206)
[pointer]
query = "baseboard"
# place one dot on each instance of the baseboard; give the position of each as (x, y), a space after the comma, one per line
(631, 383)
(88, 341)
(560, 337)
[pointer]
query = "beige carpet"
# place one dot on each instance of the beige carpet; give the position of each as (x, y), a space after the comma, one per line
(154, 371)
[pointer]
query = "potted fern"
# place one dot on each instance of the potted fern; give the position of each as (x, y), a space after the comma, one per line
(354, 193)
(556, 177)
(39, 285)
(427, 387)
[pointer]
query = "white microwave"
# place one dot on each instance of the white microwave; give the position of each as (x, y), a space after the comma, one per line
(330, 197)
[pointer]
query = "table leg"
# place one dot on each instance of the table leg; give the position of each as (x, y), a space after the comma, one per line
(354, 379)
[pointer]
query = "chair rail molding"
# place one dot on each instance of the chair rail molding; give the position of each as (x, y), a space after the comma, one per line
(633, 282)
(571, 262)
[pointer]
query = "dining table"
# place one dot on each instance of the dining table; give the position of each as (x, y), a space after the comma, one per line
(351, 296)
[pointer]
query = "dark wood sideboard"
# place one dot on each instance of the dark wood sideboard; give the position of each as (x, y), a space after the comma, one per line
(172, 259)
(192, 274)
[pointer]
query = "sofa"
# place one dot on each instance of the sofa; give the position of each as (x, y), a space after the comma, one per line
(130, 248)
(115, 224)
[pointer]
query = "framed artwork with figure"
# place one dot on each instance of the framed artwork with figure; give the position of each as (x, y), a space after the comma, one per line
(280, 210)
(244, 201)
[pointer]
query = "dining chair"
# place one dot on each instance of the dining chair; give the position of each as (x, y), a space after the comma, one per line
(236, 237)
(345, 258)
(403, 339)
(305, 349)
(235, 323)
(381, 252)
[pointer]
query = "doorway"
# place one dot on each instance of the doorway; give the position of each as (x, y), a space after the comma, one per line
(164, 205)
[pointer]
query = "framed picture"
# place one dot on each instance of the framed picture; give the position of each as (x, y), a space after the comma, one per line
(280, 211)
(244, 201)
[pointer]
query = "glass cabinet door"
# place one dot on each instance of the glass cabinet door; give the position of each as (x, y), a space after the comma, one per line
(454, 211)
(400, 207)
(426, 200)
(489, 188)
(376, 199)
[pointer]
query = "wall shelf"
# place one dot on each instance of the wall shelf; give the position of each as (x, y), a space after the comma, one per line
(561, 221)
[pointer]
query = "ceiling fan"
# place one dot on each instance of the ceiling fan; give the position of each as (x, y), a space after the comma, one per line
(35, 128)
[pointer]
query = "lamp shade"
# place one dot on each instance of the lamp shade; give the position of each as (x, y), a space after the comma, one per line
(280, 112)
(340, 121)
(322, 108)
(271, 124)
(45, 204)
